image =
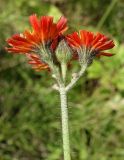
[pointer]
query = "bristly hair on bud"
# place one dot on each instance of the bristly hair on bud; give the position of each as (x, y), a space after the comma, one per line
(87, 45)
(63, 51)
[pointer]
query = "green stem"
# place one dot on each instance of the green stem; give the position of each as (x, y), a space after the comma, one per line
(65, 128)
(106, 14)
(75, 79)
(64, 69)
(64, 108)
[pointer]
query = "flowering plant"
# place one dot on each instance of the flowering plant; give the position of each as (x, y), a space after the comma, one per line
(47, 48)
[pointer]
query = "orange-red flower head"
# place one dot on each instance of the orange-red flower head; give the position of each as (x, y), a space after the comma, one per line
(41, 41)
(88, 45)
(45, 45)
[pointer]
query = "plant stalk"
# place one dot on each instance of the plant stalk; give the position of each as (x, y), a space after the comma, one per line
(75, 79)
(65, 127)
(64, 69)
(64, 108)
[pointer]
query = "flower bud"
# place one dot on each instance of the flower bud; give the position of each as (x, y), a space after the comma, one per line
(63, 52)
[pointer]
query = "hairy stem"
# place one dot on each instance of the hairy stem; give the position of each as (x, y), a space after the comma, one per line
(65, 128)
(64, 68)
(64, 108)
(76, 78)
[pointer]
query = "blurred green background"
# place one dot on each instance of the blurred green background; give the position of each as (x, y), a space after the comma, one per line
(30, 123)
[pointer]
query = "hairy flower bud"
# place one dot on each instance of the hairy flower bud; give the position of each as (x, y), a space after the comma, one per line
(63, 52)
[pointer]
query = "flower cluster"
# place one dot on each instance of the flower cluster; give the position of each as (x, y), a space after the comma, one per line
(43, 44)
